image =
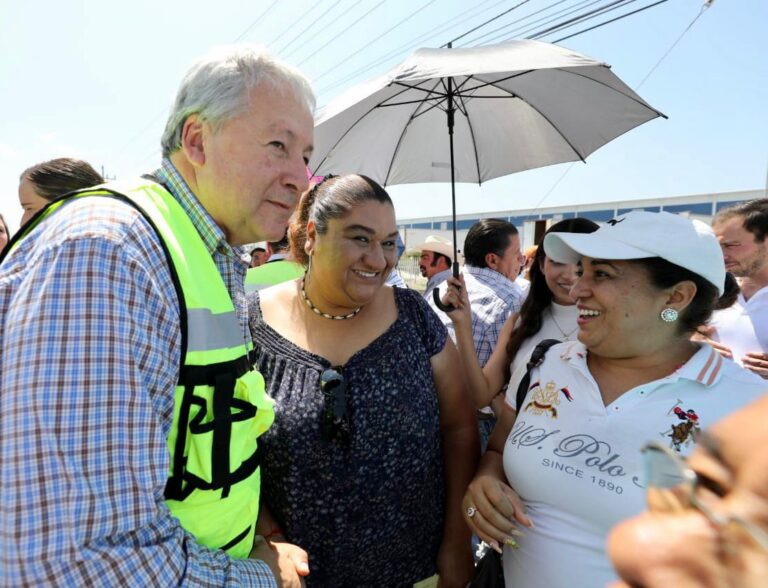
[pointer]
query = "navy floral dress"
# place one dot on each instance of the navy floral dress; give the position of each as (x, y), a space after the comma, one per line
(369, 512)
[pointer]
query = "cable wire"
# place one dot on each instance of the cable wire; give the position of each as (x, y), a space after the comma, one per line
(312, 23)
(545, 20)
(256, 21)
(706, 5)
(580, 18)
(492, 32)
(515, 7)
(337, 36)
(597, 26)
(415, 42)
(389, 30)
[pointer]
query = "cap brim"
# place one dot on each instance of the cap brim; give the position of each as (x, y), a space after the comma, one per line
(571, 247)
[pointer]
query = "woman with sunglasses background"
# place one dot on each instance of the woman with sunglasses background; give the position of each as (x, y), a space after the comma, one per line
(568, 466)
(374, 439)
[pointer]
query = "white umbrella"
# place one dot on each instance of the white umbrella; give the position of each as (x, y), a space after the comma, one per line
(473, 114)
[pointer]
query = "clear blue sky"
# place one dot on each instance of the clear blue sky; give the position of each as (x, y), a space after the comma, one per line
(94, 79)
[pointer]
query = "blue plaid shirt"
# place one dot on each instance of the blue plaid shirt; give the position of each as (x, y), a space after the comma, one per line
(89, 358)
(492, 298)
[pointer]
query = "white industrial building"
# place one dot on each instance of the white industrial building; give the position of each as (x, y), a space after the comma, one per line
(532, 223)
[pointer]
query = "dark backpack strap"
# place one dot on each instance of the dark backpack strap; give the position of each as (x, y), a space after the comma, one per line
(536, 358)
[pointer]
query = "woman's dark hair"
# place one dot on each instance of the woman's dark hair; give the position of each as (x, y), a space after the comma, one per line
(730, 293)
(53, 178)
(539, 295)
(665, 274)
(332, 198)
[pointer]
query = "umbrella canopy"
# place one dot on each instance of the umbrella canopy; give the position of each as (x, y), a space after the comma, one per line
(518, 105)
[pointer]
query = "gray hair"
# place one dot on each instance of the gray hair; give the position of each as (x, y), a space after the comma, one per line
(216, 88)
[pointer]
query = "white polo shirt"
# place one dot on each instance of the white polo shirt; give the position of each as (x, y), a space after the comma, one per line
(576, 463)
(744, 326)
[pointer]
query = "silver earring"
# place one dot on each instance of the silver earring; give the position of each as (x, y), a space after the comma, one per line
(669, 315)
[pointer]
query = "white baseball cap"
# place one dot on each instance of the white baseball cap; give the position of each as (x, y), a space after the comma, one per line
(691, 244)
(438, 244)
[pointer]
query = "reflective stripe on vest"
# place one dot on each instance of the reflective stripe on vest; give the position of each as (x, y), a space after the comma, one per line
(220, 403)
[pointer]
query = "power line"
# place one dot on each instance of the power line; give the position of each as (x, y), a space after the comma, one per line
(164, 111)
(389, 30)
(337, 36)
(706, 5)
(493, 31)
(256, 21)
(545, 20)
(597, 26)
(577, 19)
(316, 21)
(412, 43)
(515, 7)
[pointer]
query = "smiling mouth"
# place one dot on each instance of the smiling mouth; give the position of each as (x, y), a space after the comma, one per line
(366, 274)
(587, 313)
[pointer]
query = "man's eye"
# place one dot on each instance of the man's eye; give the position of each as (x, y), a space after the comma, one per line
(388, 244)
(279, 144)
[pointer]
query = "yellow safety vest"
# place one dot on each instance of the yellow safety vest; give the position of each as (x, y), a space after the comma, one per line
(220, 402)
(271, 273)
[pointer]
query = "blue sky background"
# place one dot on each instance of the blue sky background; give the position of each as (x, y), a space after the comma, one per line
(94, 79)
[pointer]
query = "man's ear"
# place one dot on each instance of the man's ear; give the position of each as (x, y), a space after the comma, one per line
(193, 136)
(491, 260)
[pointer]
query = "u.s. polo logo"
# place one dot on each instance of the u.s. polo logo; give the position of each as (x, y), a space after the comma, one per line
(546, 399)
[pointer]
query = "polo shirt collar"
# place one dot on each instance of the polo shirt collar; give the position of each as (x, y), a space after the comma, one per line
(705, 367)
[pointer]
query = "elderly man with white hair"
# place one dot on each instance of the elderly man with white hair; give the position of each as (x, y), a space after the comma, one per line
(130, 409)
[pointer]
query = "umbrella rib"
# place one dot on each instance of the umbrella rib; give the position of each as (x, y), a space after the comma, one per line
(420, 89)
(465, 111)
(400, 140)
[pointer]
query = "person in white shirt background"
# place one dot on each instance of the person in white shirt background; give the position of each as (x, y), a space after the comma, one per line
(568, 467)
(742, 329)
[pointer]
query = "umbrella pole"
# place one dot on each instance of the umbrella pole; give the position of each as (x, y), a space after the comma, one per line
(450, 113)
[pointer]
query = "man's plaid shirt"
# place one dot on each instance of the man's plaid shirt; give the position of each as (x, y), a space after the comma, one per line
(89, 358)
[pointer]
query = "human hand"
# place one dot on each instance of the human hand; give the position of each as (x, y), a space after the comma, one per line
(757, 362)
(497, 511)
(455, 565)
(288, 562)
(456, 296)
(704, 333)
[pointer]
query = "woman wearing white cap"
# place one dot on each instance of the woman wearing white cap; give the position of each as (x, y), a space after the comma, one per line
(568, 466)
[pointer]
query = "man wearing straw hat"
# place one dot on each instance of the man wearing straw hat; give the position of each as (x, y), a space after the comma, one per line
(435, 261)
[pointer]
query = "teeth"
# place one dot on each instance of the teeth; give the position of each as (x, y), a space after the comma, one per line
(366, 274)
(588, 312)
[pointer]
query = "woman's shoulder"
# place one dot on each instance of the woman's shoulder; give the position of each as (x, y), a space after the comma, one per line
(268, 301)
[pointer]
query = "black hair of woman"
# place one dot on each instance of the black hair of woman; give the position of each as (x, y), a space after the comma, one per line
(539, 296)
